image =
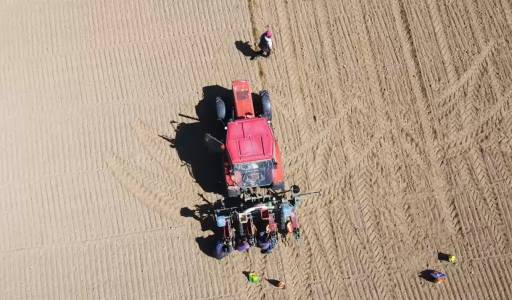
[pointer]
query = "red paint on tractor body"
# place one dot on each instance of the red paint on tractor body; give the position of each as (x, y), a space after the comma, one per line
(244, 107)
(249, 140)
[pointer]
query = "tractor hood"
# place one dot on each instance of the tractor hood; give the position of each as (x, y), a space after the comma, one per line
(249, 140)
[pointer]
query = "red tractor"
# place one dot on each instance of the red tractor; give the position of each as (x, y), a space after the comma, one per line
(251, 157)
(257, 207)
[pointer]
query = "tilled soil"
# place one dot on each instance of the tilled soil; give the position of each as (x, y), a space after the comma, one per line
(398, 111)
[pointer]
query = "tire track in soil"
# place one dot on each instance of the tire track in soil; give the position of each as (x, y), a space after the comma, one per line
(481, 131)
(297, 264)
(377, 94)
(481, 40)
(360, 256)
(329, 56)
(361, 189)
(402, 214)
(325, 251)
(463, 89)
(289, 46)
(332, 92)
(385, 120)
(336, 216)
(498, 175)
(507, 9)
(468, 108)
(332, 186)
(326, 133)
(482, 185)
(153, 193)
(468, 77)
(433, 149)
(458, 101)
(411, 147)
(157, 148)
(330, 130)
(395, 147)
(442, 41)
(371, 72)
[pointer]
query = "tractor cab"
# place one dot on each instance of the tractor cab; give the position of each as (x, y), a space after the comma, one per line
(250, 150)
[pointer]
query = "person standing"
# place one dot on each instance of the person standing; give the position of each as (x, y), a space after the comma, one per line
(265, 45)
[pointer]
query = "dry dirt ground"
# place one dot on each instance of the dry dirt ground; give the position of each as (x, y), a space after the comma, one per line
(399, 111)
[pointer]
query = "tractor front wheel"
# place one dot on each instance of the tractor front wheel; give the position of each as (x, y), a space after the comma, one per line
(220, 108)
(265, 105)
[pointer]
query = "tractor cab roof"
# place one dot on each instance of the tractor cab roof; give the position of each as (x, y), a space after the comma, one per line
(249, 140)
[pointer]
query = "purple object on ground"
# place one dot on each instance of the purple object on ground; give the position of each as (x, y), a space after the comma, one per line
(265, 243)
(438, 275)
(244, 246)
(220, 250)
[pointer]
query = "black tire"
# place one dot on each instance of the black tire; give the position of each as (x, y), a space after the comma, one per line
(230, 112)
(266, 107)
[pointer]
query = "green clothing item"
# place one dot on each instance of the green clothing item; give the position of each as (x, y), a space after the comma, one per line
(254, 278)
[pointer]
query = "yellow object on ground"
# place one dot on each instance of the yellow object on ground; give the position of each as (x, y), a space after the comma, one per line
(452, 259)
(254, 278)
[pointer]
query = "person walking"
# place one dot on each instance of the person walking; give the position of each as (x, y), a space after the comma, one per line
(265, 45)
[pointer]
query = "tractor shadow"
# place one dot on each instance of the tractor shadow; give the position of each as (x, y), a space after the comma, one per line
(204, 165)
(203, 213)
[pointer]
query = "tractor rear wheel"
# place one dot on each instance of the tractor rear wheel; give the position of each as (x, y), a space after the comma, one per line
(220, 108)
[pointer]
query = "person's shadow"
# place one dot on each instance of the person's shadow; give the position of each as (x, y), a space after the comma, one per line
(246, 49)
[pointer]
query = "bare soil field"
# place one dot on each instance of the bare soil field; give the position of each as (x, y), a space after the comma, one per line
(399, 111)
